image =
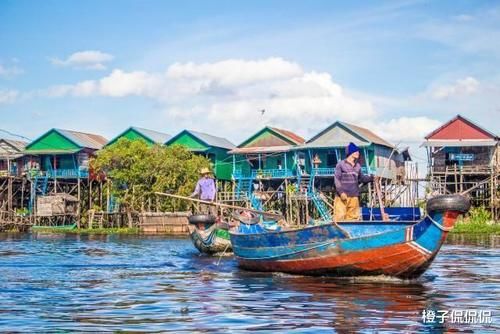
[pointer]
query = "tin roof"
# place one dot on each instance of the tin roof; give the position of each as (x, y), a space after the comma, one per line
(84, 140)
(79, 139)
(17, 145)
(368, 134)
(210, 140)
(155, 136)
(256, 150)
(340, 134)
(460, 128)
(11, 148)
(272, 137)
(290, 135)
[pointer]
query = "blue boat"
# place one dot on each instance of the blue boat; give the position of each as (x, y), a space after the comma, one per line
(403, 247)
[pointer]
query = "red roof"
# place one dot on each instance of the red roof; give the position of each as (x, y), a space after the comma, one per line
(290, 135)
(460, 128)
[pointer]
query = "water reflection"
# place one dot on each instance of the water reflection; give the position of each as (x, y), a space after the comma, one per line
(123, 283)
(485, 240)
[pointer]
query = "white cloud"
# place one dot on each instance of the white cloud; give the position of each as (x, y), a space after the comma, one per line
(90, 59)
(120, 83)
(463, 18)
(474, 34)
(461, 87)
(8, 96)
(235, 72)
(405, 129)
(10, 71)
(230, 95)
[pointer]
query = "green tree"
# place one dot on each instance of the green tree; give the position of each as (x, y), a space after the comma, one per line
(136, 170)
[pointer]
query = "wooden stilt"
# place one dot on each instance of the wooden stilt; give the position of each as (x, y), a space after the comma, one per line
(79, 208)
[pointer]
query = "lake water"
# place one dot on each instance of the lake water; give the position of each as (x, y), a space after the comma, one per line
(56, 282)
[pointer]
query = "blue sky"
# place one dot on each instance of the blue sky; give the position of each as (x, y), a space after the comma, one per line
(400, 68)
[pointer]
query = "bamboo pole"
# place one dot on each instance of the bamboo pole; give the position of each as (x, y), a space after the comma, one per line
(221, 205)
(385, 217)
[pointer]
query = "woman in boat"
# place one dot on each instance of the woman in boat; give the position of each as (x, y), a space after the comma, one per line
(348, 176)
(206, 191)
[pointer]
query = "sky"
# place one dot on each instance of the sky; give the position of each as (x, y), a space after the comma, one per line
(231, 67)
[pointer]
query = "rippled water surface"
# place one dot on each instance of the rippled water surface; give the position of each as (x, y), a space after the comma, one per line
(56, 282)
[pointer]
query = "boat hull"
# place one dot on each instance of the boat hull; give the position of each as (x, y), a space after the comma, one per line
(211, 241)
(403, 250)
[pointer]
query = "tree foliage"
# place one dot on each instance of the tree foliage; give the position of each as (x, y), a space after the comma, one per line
(136, 170)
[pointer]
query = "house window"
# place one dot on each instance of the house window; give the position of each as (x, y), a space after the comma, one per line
(279, 165)
(331, 159)
(254, 163)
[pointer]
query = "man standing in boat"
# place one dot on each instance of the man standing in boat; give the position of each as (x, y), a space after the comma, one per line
(348, 176)
(205, 190)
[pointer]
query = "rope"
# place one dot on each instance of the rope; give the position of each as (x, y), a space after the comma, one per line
(441, 227)
(222, 254)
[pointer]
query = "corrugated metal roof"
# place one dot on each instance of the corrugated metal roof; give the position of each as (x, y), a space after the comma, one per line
(255, 150)
(212, 140)
(11, 149)
(368, 134)
(290, 135)
(156, 136)
(460, 127)
(17, 145)
(84, 140)
(330, 137)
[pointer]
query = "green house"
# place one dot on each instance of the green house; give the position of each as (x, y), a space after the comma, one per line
(265, 155)
(62, 153)
(149, 136)
(214, 148)
(322, 152)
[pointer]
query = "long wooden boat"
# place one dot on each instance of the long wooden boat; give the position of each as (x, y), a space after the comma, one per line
(208, 236)
(399, 248)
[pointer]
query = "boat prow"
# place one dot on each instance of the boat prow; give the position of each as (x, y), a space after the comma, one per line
(208, 236)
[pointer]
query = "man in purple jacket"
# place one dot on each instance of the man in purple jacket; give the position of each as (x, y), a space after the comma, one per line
(205, 190)
(348, 176)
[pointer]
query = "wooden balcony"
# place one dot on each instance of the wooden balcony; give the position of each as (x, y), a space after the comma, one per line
(326, 171)
(464, 170)
(69, 173)
(264, 174)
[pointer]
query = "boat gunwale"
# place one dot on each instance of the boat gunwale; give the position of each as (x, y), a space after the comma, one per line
(331, 241)
(403, 223)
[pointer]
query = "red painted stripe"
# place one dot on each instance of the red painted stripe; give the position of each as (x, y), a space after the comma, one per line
(390, 260)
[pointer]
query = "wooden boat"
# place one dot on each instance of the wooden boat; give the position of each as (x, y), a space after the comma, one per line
(208, 236)
(401, 248)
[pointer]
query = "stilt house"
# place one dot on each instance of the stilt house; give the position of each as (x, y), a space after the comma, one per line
(212, 147)
(149, 136)
(11, 157)
(463, 155)
(63, 153)
(319, 156)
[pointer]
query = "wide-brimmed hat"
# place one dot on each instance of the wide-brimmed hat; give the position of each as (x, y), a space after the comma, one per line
(204, 171)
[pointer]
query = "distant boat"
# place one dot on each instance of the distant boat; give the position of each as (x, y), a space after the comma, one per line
(208, 236)
(401, 248)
